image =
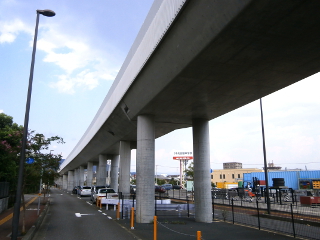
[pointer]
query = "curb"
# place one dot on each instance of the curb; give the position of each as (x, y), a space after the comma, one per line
(30, 234)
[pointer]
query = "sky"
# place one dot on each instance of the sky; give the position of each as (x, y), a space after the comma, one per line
(81, 50)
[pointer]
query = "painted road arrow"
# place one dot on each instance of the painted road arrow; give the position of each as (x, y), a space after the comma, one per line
(81, 214)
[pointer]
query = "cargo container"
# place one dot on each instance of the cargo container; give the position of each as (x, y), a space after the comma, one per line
(293, 179)
(227, 185)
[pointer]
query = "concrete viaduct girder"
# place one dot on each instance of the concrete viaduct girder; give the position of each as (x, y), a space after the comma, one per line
(212, 58)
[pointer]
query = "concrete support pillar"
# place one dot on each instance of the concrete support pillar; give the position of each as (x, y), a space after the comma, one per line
(108, 171)
(114, 172)
(76, 177)
(70, 181)
(64, 181)
(145, 168)
(89, 174)
(60, 182)
(81, 175)
(125, 160)
(95, 174)
(102, 174)
(202, 179)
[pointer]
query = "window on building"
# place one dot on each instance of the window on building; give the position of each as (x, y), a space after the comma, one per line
(232, 175)
(224, 176)
(238, 175)
(220, 176)
(211, 176)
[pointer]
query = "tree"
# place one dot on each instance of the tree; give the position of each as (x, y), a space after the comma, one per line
(174, 181)
(10, 147)
(190, 171)
(160, 181)
(45, 165)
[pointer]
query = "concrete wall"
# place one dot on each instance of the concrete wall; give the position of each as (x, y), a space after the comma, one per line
(4, 204)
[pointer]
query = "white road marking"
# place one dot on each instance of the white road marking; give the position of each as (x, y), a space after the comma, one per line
(99, 211)
(82, 214)
(104, 213)
(109, 217)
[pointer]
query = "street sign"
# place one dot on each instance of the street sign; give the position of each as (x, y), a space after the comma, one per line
(30, 160)
(182, 155)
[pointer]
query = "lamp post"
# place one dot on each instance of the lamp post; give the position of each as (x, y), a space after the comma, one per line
(16, 211)
(265, 160)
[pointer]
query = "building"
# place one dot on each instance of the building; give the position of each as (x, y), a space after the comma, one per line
(231, 175)
(272, 167)
(232, 165)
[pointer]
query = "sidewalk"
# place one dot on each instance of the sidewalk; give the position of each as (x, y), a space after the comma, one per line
(30, 218)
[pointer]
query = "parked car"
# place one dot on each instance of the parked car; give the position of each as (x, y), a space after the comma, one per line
(159, 189)
(84, 191)
(75, 189)
(167, 186)
(133, 189)
(176, 187)
(94, 189)
(102, 192)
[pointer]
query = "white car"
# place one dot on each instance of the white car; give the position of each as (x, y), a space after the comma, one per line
(102, 192)
(84, 191)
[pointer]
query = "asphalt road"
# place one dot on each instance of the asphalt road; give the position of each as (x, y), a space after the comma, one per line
(63, 220)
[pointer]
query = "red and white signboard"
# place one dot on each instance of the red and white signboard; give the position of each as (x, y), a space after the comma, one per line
(182, 155)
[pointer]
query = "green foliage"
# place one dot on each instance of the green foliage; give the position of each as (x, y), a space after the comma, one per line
(5, 121)
(133, 181)
(45, 164)
(190, 171)
(10, 145)
(160, 181)
(174, 181)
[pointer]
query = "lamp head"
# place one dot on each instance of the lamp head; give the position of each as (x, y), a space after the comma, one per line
(47, 12)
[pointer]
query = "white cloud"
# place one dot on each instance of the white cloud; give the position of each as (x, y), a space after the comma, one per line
(10, 30)
(73, 55)
(86, 79)
(78, 53)
(84, 65)
(1, 111)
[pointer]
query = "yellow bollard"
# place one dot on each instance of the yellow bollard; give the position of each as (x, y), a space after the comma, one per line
(155, 228)
(199, 235)
(118, 211)
(132, 218)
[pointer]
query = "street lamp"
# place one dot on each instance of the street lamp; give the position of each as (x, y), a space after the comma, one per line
(265, 161)
(16, 211)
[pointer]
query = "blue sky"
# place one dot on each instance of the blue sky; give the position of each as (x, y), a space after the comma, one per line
(79, 53)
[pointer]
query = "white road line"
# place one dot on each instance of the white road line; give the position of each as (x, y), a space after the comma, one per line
(82, 214)
(109, 217)
(104, 213)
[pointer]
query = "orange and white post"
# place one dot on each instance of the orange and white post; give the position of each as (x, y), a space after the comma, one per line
(132, 218)
(199, 237)
(155, 228)
(118, 211)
